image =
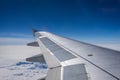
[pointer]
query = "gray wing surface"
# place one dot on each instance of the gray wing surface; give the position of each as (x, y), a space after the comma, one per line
(68, 59)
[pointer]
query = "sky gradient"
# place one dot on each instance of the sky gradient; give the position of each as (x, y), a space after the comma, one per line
(93, 21)
(86, 20)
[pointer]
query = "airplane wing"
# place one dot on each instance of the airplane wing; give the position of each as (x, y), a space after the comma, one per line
(69, 59)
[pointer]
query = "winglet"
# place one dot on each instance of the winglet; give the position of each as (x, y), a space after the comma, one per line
(34, 31)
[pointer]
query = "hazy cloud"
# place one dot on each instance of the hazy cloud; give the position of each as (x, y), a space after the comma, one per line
(18, 51)
(114, 46)
(15, 35)
(14, 41)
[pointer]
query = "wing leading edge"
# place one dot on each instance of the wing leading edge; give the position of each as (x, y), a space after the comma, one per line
(69, 59)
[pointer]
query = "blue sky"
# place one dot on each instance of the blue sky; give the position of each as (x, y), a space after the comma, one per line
(86, 20)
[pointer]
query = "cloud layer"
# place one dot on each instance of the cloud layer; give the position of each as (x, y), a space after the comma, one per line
(22, 70)
(18, 51)
(14, 41)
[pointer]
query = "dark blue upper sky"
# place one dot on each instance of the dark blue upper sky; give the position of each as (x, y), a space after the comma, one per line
(81, 19)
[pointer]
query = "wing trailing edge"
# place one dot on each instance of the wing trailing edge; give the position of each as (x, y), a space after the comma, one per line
(34, 44)
(36, 58)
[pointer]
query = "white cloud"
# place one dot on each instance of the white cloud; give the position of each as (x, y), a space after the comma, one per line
(115, 46)
(18, 51)
(14, 41)
(112, 44)
(16, 48)
(21, 70)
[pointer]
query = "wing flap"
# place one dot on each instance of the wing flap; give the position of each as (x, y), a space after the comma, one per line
(35, 44)
(54, 74)
(75, 72)
(37, 58)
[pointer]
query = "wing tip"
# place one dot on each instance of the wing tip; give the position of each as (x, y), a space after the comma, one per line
(34, 31)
